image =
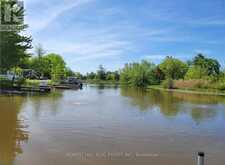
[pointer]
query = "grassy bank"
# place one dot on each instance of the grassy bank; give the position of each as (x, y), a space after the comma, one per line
(189, 90)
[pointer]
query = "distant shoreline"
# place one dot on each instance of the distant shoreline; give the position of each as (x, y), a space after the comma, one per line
(188, 91)
(102, 82)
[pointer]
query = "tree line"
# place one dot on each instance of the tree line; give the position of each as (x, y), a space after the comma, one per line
(102, 75)
(48, 66)
(15, 57)
(198, 71)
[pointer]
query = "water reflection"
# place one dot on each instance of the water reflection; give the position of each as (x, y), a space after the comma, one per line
(101, 87)
(199, 107)
(50, 102)
(200, 115)
(104, 86)
(13, 131)
(99, 119)
(148, 100)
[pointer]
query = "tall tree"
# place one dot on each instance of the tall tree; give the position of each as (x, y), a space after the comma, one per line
(39, 50)
(57, 66)
(69, 72)
(101, 73)
(196, 72)
(173, 68)
(138, 74)
(211, 65)
(13, 44)
(91, 75)
(41, 65)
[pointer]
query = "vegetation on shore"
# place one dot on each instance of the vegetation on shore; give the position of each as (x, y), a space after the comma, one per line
(199, 73)
(188, 90)
(202, 73)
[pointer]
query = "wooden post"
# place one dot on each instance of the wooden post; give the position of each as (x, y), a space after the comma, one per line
(201, 156)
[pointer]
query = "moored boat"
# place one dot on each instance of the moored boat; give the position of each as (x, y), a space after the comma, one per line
(70, 83)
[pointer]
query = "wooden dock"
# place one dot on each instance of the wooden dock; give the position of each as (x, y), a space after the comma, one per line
(39, 89)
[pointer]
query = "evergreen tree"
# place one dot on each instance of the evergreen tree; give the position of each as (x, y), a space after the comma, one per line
(13, 44)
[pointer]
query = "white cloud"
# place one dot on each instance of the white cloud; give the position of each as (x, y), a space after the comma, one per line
(159, 57)
(79, 51)
(170, 14)
(40, 14)
(155, 57)
(104, 32)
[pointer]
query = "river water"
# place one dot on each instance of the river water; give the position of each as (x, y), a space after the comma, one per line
(110, 125)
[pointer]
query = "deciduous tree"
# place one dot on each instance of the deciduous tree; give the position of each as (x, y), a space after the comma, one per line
(173, 68)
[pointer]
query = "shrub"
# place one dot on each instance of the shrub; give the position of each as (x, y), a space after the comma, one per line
(139, 74)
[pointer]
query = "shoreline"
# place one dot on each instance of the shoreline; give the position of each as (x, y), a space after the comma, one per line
(154, 87)
(101, 82)
(188, 91)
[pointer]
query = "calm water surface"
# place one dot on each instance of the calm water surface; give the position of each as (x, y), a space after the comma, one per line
(107, 126)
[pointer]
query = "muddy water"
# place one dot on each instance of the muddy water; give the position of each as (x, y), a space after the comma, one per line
(107, 126)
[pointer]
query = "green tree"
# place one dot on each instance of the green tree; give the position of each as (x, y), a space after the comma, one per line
(42, 65)
(211, 65)
(13, 44)
(91, 76)
(110, 76)
(196, 72)
(173, 68)
(69, 72)
(78, 75)
(57, 65)
(25, 63)
(138, 74)
(39, 50)
(101, 73)
(159, 75)
(116, 76)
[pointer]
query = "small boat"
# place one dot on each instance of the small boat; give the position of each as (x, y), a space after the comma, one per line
(69, 83)
(68, 86)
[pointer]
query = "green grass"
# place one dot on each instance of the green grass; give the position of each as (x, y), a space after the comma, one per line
(190, 90)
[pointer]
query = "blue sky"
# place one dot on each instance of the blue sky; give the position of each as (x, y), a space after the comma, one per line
(113, 32)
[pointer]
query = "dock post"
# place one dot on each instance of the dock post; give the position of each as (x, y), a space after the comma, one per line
(201, 156)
